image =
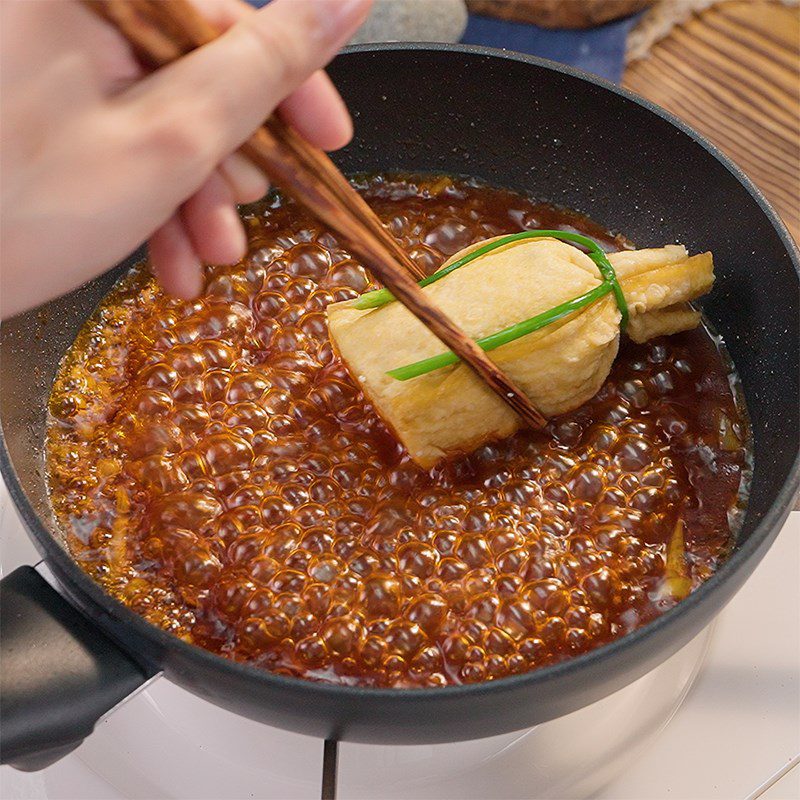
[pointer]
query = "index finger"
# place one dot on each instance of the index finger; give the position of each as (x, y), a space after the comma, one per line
(315, 109)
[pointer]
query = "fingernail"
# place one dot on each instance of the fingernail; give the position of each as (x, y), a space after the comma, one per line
(340, 17)
(194, 284)
(237, 238)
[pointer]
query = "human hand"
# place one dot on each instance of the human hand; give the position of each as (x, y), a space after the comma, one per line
(96, 157)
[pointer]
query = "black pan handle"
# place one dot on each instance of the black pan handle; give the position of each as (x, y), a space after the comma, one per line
(58, 673)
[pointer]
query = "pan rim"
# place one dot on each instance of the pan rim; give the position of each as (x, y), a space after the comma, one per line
(768, 526)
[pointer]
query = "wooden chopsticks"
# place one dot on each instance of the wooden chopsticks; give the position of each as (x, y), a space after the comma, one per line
(161, 31)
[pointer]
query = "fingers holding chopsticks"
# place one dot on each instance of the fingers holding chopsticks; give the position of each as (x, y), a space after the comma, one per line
(101, 155)
(199, 109)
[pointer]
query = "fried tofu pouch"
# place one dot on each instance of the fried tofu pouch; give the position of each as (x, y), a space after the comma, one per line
(559, 367)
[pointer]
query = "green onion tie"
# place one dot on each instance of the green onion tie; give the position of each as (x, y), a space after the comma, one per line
(381, 297)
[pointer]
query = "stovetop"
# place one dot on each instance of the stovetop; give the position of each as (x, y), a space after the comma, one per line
(720, 719)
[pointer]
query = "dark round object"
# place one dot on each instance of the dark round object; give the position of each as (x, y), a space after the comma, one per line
(557, 13)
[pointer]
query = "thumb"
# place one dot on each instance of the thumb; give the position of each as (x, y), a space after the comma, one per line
(193, 113)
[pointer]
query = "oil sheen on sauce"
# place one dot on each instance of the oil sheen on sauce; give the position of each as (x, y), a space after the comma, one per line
(214, 467)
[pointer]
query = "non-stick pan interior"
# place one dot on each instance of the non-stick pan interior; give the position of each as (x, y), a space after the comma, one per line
(519, 124)
(31, 348)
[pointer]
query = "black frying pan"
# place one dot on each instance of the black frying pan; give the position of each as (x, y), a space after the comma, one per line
(514, 121)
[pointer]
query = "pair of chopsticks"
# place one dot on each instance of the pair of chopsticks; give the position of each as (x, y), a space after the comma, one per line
(161, 31)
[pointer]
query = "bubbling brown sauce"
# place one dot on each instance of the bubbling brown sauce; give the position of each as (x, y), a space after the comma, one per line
(215, 468)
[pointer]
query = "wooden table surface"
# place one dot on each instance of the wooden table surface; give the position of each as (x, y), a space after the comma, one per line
(733, 73)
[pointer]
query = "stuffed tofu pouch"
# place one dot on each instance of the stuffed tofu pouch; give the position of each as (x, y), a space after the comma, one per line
(561, 366)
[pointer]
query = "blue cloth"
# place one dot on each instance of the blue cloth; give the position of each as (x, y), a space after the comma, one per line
(599, 50)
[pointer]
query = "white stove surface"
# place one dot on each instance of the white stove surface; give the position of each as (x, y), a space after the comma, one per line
(735, 735)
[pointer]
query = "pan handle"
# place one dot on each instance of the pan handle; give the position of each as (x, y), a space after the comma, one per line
(59, 675)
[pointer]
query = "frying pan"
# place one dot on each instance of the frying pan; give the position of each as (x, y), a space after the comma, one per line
(514, 121)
